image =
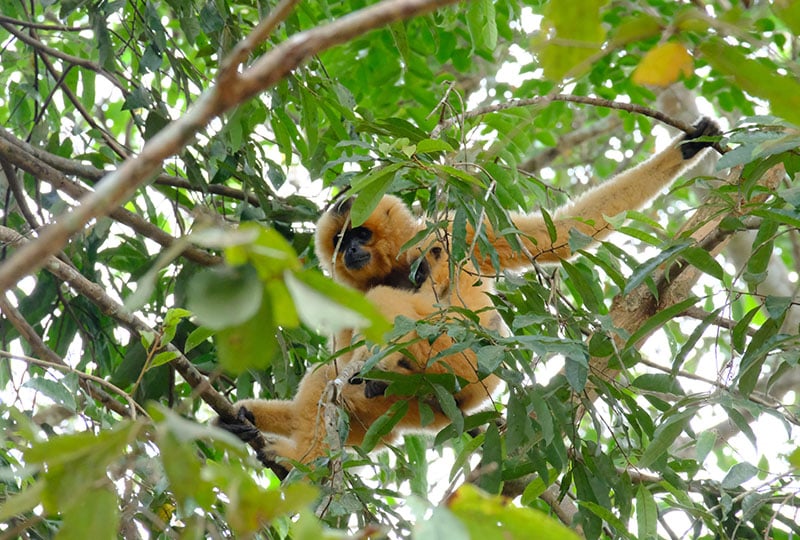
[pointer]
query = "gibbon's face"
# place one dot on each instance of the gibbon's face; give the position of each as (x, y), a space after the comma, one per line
(369, 255)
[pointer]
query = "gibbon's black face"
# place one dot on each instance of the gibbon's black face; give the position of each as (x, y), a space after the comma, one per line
(351, 245)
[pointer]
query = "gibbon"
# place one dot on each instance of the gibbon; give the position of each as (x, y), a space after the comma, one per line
(370, 258)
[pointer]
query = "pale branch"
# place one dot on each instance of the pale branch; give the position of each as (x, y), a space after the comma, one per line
(93, 174)
(722, 322)
(27, 332)
(119, 185)
(70, 59)
(97, 295)
(28, 163)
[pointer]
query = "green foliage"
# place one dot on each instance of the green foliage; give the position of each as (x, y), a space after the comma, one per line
(214, 261)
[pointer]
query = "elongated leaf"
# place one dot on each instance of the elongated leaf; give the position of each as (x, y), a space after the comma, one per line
(491, 461)
(664, 436)
(482, 25)
(646, 513)
(384, 425)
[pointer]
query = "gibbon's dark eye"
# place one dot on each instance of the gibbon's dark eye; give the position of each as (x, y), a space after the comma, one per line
(405, 364)
(361, 233)
(436, 251)
(355, 379)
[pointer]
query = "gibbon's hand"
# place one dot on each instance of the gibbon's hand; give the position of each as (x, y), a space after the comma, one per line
(705, 127)
(240, 426)
(372, 388)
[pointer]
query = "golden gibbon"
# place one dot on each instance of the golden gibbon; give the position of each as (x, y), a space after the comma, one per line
(416, 283)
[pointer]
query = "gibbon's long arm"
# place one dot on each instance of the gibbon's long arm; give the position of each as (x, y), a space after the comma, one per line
(629, 190)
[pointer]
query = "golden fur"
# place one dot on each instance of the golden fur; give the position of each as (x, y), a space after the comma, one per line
(378, 267)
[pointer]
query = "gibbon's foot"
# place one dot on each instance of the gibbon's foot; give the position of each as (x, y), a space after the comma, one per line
(240, 426)
(705, 127)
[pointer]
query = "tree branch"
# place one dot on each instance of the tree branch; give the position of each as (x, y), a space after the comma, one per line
(135, 172)
(93, 174)
(96, 294)
(38, 346)
(19, 158)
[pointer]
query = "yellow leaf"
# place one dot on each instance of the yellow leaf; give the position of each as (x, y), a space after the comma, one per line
(663, 65)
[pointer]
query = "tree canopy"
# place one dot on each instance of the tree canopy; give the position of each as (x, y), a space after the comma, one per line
(162, 165)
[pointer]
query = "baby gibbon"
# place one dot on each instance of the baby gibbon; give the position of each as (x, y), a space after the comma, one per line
(370, 258)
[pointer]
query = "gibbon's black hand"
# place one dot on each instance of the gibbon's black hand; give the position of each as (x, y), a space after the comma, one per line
(240, 426)
(705, 127)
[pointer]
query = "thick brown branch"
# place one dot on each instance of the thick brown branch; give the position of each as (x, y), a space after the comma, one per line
(19, 158)
(119, 185)
(93, 174)
(631, 311)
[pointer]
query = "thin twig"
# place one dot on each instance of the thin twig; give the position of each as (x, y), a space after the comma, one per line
(41, 26)
(76, 60)
(584, 100)
(27, 332)
(132, 405)
(228, 70)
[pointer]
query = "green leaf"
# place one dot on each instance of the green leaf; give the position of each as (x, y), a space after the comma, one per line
(646, 269)
(429, 146)
(491, 467)
(482, 24)
(585, 285)
(705, 443)
(94, 515)
(789, 12)
(370, 189)
(490, 517)
(249, 345)
(449, 406)
(163, 358)
(325, 305)
(755, 77)
(659, 319)
(384, 425)
(763, 341)
(646, 513)
(664, 436)
(22, 502)
(576, 34)
(184, 472)
(224, 297)
(197, 337)
(702, 260)
(738, 475)
(55, 390)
